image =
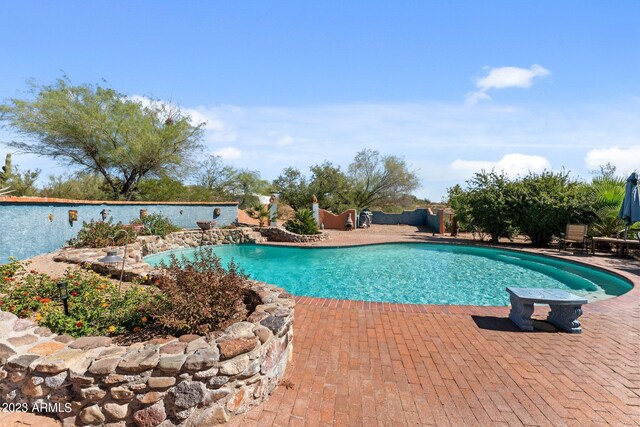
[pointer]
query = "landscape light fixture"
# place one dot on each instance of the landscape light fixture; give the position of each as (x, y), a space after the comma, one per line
(64, 296)
(112, 257)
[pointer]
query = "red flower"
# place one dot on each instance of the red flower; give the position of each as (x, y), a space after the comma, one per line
(71, 276)
(34, 272)
(74, 293)
(45, 300)
(25, 293)
(79, 324)
(1, 303)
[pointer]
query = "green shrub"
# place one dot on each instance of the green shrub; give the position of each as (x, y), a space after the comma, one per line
(302, 223)
(96, 305)
(543, 204)
(99, 234)
(156, 224)
(199, 295)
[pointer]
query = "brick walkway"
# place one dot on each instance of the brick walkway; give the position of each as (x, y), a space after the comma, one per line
(380, 364)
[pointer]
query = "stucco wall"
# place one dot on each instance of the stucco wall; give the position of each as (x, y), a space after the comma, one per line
(332, 221)
(417, 217)
(25, 228)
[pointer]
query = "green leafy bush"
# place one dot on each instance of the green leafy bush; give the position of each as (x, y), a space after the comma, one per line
(155, 224)
(96, 305)
(302, 223)
(199, 295)
(98, 234)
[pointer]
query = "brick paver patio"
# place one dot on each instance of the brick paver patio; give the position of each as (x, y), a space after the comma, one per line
(368, 364)
(384, 364)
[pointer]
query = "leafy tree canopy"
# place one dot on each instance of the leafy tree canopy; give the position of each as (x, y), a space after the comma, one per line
(103, 132)
(379, 180)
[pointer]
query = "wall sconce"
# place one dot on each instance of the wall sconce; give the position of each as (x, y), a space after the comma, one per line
(216, 212)
(104, 213)
(143, 213)
(73, 216)
(51, 217)
(181, 211)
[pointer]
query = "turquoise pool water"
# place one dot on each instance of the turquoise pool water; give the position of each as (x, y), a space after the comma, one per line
(413, 272)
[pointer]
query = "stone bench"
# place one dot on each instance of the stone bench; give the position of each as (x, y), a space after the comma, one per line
(565, 307)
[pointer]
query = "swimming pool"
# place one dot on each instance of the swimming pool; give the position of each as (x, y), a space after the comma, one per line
(415, 273)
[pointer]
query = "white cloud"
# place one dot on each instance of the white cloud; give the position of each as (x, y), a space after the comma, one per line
(228, 153)
(626, 160)
(512, 165)
(285, 140)
(505, 77)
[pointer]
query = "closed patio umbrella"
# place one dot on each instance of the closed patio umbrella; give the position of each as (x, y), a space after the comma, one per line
(630, 210)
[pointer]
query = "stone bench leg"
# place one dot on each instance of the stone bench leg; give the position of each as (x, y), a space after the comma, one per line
(521, 313)
(565, 317)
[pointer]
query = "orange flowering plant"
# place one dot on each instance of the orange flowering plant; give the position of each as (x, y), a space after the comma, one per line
(96, 306)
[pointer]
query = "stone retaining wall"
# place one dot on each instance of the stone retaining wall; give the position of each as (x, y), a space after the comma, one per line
(147, 245)
(187, 381)
(277, 234)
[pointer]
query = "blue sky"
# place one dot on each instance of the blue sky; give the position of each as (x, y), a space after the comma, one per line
(452, 86)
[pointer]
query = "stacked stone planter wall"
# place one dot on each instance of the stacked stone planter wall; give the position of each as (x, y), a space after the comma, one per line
(277, 234)
(188, 381)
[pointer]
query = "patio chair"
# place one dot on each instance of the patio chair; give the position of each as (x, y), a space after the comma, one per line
(576, 233)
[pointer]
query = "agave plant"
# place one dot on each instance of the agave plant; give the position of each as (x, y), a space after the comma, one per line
(302, 223)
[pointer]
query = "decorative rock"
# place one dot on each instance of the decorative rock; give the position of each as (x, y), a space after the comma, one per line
(93, 394)
(175, 347)
(235, 365)
(188, 394)
(92, 415)
(115, 379)
(61, 395)
(256, 316)
(150, 397)
(121, 393)
(79, 379)
(22, 340)
(5, 353)
(61, 361)
(117, 410)
(88, 343)
(215, 395)
(46, 348)
(196, 345)
(21, 363)
(235, 347)
(274, 323)
(251, 370)
(43, 332)
(240, 329)
(202, 359)
(211, 416)
(17, 376)
(23, 324)
(161, 382)
(56, 381)
(104, 366)
(141, 360)
(65, 339)
(234, 403)
(33, 387)
(188, 338)
(5, 316)
(211, 372)
(137, 386)
(171, 364)
(218, 381)
(112, 352)
(151, 416)
(263, 333)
